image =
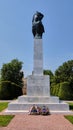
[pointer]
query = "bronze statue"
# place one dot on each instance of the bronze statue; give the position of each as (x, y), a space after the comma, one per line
(37, 26)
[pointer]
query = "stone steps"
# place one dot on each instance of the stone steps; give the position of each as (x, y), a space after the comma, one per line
(38, 99)
(26, 106)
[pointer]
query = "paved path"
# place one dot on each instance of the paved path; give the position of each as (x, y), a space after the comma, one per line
(39, 122)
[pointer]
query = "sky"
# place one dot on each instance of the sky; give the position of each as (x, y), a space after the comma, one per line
(16, 38)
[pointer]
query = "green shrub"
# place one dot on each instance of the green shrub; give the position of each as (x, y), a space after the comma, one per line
(64, 91)
(52, 89)
(4, 91)
(70, 105)
(55, 89)
(9, 90)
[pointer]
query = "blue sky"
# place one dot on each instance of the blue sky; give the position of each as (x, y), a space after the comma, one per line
(16, 39)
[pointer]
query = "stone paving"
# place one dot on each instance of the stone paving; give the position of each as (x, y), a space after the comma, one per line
(38, 122)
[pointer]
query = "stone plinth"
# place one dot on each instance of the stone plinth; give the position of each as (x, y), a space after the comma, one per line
(38, 85)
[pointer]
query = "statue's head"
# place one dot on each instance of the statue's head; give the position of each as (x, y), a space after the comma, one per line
(38, 16)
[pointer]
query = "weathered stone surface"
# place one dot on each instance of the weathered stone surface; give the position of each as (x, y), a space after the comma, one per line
(15, 106)
(38, 57)
(38, 99)
(38, 85)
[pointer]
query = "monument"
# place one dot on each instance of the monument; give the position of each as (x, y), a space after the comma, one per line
(38, 85)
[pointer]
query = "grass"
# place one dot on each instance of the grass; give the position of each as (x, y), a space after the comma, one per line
(70, 118)
(3, 105)
(5, 119)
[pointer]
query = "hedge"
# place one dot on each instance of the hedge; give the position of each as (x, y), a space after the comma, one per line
(9, 90)
(65, 92)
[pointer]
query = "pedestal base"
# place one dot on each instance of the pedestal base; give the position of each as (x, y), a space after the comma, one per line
(24, 103)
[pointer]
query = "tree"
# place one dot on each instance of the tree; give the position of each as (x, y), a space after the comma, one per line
(65, 73)
(63, 81)
(65, 91)
(11, 78)
(48, 72)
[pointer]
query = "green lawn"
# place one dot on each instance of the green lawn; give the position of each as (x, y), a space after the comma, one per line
(70, 118)
(5, 119)
(3, 105)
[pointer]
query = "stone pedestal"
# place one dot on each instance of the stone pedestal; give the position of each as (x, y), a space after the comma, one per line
(38, 85)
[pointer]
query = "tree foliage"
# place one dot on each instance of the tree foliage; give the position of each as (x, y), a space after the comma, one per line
(11, 79)
(65, 92)
(63, 81)
(65, 72)
(55, 89)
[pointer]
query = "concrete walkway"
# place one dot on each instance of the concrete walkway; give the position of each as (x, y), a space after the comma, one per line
(39, 122)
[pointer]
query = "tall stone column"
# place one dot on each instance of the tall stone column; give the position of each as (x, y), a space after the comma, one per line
(38, 57)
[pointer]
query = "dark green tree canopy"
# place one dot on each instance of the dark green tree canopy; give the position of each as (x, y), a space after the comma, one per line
(61, 83)
(12, 72)
(11, 80)
(65, 72)
(48, 72)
